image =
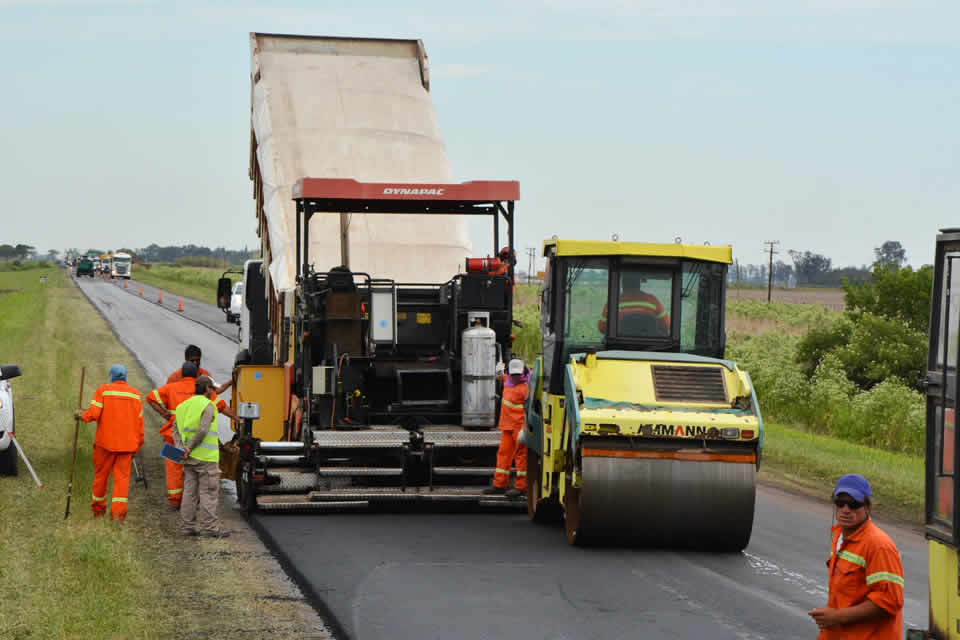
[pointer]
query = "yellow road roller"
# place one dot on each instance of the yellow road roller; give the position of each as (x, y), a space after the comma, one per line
(639, 432)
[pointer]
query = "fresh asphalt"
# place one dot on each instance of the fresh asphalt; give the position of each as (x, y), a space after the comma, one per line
(482, 575)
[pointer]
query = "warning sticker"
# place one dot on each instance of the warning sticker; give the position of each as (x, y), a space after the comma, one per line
(424, 318)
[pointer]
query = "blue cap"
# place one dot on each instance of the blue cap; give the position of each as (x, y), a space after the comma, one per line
(118, 372)
(854, 485)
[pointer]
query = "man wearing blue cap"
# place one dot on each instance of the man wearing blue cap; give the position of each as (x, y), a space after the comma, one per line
(865, 597)
(118, 410)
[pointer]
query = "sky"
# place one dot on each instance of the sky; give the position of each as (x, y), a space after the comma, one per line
(826, 125)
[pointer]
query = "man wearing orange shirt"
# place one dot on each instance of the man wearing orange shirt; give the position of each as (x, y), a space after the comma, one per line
(118, 410)
(165, 401)
(193, 354)
(865, 598)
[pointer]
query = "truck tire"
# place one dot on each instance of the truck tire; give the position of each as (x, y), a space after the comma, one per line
(540, 510)
(8, 461)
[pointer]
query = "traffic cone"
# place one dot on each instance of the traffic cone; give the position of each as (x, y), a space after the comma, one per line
(124, 284)
(159, 297)
(141, 292)
(180, 305)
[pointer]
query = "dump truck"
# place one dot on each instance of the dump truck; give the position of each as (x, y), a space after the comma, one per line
(638, 429)
(371, 334)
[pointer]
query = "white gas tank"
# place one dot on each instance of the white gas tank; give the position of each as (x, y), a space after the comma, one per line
(479, 377)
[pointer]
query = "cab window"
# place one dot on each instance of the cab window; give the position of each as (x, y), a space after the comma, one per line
(587, 286)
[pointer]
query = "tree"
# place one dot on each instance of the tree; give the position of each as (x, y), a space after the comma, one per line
(23, 251)
(900, 294)
(811, 268)
(6, 251)
(890, 253)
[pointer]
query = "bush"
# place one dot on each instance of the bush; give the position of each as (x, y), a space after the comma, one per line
(890, 416)
(895, 293)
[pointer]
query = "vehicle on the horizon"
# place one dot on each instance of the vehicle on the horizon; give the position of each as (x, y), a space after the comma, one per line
(8, 451)
(85, 267)
(121, 265)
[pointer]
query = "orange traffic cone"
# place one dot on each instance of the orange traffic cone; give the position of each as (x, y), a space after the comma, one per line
(180, 305)
(159, 297)
(141, 292)
(124, 284)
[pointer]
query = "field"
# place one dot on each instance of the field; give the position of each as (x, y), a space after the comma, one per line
(830, 298)
(93, 578)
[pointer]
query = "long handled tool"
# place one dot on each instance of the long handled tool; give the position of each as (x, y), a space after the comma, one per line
(139, 475)
(24, 456)
(76, 435)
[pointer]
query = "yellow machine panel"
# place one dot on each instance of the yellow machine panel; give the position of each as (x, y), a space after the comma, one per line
(944, 600)
(263, 384)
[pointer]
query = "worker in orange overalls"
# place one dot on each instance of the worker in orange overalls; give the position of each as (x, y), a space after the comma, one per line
(118, 409)
(865, 597)
(507, 258)
(634, 302)
(193, 354)
(511, 422)
(165, 401)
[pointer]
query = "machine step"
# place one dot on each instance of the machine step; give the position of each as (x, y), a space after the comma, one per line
(463, 471)
(358, 471)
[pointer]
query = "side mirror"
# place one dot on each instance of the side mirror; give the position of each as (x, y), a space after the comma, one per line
(9, 371)
(224, 285)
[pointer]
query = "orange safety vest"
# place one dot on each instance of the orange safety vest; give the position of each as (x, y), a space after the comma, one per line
(867, 565)
(170, 395)
(118, 409)
(511, 409)
(639, 303)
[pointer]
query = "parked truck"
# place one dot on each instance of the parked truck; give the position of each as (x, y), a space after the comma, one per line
(370, 336)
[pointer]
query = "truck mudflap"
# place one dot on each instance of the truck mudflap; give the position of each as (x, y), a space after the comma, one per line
(376, 467)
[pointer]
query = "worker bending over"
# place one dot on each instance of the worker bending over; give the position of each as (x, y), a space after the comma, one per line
(195, 431)
(118, 411)
(165, 401)
(511, 422)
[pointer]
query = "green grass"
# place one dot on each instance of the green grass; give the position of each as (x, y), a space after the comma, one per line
(813, 463)
(93, 578)
(197, 283)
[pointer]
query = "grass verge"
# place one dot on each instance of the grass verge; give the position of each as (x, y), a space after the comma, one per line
(86, 578)
(197, 283)
(811, 464)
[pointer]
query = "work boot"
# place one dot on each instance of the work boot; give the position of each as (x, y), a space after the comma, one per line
(189, 532)
(494, 491)
(222, 533)
(515, 493)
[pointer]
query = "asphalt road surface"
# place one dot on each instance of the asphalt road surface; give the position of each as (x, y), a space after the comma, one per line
(482, 575)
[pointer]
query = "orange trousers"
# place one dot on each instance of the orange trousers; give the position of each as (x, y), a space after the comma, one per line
(510, 451)
(104, 463)
(174, 477)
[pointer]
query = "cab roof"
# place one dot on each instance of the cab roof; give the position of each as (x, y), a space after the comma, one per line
(708, 253)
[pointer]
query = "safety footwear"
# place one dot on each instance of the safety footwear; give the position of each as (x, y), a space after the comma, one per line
(494, 491)
(214, 534)
(190, 532)
(515, 493)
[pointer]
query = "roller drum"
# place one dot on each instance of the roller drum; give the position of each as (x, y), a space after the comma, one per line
(665, 502)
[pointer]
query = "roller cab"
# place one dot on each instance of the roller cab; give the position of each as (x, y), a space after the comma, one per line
(639, 431)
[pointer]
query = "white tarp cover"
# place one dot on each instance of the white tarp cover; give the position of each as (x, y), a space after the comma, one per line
(350, 108)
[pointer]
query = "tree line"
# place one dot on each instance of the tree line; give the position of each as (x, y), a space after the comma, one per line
(814, 269)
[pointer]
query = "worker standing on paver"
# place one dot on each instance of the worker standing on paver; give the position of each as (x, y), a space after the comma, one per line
(865, 597)
(195, 431)
(165, 401)
(511, 450)
(193, 354)
(118, 410)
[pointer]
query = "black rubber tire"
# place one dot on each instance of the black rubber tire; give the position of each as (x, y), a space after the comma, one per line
(540, 510)
(8, 461)
(246, 495)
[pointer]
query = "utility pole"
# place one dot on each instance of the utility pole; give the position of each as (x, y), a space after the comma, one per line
(772, 244)
(531, 255)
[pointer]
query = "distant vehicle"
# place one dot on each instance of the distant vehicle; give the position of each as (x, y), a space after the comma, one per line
(8, 452)
(236, 303)
(120, 265)
(85, 267)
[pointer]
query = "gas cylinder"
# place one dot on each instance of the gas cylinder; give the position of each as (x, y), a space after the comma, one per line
(479, 377)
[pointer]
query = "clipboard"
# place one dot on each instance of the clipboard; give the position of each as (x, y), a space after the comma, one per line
(171, 452)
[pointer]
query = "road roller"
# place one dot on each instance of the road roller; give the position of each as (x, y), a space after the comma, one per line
(639, 431)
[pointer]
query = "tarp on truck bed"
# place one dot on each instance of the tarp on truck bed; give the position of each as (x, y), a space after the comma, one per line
(349, 108)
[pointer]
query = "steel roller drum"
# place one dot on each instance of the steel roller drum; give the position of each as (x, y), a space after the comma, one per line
(664, 502)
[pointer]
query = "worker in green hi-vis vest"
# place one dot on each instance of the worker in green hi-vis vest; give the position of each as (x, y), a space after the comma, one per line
(195, 431)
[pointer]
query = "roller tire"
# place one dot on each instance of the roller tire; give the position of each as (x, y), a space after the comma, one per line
(246, 495)
(540, 510)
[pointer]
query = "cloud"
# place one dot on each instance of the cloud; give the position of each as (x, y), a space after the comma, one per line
(459, 70)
